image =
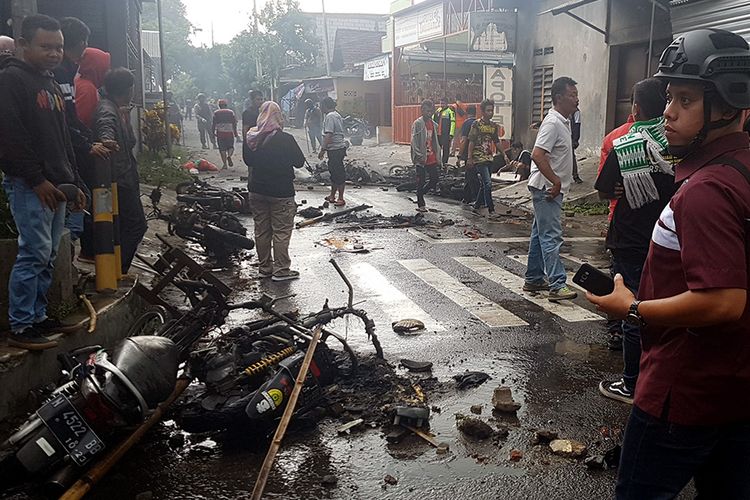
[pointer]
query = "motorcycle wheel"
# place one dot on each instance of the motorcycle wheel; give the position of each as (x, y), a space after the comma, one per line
(369, 132)
(150, 322)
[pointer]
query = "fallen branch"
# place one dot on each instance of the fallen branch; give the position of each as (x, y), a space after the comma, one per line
(265, 470)
(97, 472)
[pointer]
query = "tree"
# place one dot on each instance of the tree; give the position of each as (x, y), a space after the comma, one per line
(284, 37)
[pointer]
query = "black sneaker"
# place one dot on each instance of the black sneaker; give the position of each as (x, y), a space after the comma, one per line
(30, 338)
(616, 390)
(615, 342)
(535, 287)
(50, 325)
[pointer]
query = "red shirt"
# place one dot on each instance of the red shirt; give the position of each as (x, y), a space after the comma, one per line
(431, 155)
(225, 123)
(607, 147)
(699, 376)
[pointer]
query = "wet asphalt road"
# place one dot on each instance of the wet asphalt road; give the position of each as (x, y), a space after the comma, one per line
(552, 365)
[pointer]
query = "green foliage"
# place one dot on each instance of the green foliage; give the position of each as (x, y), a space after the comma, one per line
(156, 170)
(7, 224)
(587, 208)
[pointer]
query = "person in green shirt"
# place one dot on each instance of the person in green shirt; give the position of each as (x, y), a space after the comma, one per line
(484, 138)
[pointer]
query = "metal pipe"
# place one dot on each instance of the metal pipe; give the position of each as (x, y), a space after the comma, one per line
(346, 281)
(163, 61)
(651, 40)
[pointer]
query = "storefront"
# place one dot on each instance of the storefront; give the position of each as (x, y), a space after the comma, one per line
(454, 49)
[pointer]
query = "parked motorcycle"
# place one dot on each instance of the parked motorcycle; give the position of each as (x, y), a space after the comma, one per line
(356, 129)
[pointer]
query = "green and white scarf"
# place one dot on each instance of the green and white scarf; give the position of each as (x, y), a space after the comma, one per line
(640, 153)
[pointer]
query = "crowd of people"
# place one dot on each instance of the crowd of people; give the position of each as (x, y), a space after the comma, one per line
(676, 174)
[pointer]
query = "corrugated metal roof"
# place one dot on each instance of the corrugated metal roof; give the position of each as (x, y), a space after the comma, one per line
(730, 15)
(150, 43)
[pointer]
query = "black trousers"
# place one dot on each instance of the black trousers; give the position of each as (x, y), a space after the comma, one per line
(132, 223)
(471, 185)
(423, 187)
(446, 143)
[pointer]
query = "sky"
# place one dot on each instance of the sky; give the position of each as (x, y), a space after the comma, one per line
(232, 16)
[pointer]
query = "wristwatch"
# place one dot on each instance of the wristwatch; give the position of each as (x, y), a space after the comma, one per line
(634, 317)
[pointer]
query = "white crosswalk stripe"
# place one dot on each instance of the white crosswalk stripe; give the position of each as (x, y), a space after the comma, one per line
(507, 240)
(479, 306)
(565, 310)
(392, 301)
(524, 259)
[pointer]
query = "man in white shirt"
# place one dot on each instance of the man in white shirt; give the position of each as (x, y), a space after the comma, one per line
(551, 176)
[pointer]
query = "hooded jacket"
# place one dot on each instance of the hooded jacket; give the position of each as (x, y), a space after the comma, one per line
(35, 143)
(94, 65)
(80, 135)
(110, 124)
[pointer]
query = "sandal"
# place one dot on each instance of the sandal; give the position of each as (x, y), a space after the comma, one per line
(339, 203)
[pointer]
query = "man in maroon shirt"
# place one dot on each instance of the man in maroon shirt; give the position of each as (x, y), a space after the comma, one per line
(691, 415)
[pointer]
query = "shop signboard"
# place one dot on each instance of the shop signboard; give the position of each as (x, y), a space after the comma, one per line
(378, 69)
(498, 86)
(419, 26)
(492, 32)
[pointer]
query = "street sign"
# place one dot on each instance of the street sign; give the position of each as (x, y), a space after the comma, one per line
(498, 86)
(378, 69)
(420, 26)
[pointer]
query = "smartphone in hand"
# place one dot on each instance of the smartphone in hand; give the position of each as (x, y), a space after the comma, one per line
(595, 281)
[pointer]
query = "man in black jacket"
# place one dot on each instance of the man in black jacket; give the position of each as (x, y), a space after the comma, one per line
(112, 124)
(76, 38)
(37, 156)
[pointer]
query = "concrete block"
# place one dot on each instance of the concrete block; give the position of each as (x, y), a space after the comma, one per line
(23, 373)
(65, 275)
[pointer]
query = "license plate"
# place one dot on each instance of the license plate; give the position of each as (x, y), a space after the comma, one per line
(71, 430)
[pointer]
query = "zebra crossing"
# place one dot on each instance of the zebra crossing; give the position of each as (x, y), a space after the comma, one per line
(395, 304)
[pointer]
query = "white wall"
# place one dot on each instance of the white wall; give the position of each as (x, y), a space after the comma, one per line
(580, 53)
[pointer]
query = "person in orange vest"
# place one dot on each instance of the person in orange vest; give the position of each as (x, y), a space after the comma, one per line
(445, 117)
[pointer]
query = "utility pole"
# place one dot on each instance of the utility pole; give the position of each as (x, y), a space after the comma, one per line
(325, 39)
(258, 66)
(162, 60)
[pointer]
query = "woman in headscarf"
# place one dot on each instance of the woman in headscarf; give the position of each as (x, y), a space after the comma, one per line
(272, 154)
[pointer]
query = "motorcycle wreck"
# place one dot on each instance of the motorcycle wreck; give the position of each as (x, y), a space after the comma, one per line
(103, 396)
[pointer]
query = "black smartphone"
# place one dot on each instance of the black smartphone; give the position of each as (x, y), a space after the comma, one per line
(595, 281)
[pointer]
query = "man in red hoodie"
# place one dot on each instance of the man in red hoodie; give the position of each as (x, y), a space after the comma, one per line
(91, 70)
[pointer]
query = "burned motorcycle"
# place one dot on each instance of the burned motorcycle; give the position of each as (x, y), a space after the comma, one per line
(219, 232)
(213, 198)
(248, 379)
(102, 394)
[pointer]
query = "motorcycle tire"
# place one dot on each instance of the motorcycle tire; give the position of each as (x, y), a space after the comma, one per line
(150, 322)
(213, 233)
(369, 132)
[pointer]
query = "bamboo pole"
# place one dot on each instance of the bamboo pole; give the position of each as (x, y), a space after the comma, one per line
(96, 473)
(265, 470)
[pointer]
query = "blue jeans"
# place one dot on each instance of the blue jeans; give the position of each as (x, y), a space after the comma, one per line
(631, 268)
(484, 197)
(546, 240)
(39, 233)
(659, 459)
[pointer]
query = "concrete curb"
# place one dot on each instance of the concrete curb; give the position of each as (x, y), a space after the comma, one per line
(23, 373)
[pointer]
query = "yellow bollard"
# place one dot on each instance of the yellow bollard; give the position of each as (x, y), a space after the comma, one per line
(116, 225)
(104, 260)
